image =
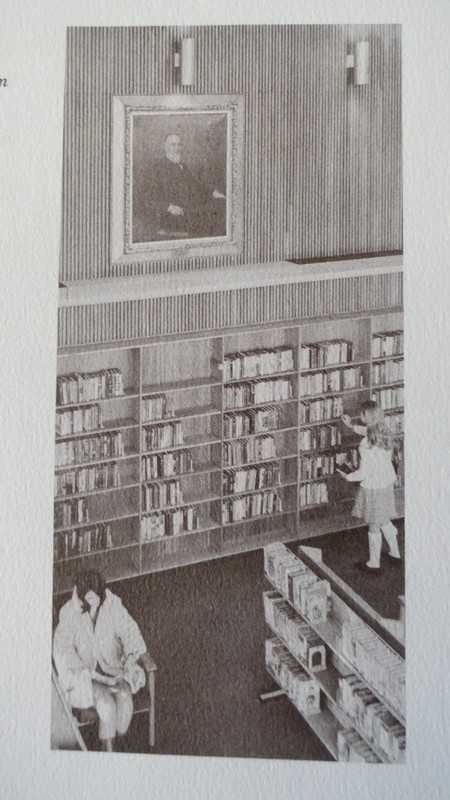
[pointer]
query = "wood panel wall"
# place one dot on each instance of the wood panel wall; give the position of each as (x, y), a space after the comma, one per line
(100, 323)
(322, 173)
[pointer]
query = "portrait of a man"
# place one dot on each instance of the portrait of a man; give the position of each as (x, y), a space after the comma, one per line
(179, 177)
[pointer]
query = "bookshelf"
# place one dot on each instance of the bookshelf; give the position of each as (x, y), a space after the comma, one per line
(175, 450)
(355, 702)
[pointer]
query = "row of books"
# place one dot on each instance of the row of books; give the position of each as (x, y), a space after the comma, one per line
(335, 380)
(313, 494)
(91, 448)
(324, 465)
(388, 343)
(387, 371)
(321, 409)
(372, 718)
(83, 387)
(396, 422)
(82, 542)
(301, 688)
(165, 465)
(244, 451)
(375, 661)
(324, 354)
(258, 504)
(77, 420)
(71, 512)
(300, 639)
(352, 747)
(156, 406)
(253, 421)
(248, 478)
(169, 523)
(321, 437)
(297, 582)
(87, 479)
(264, 391)
(390, 398)
(263, 361)
(160, 495)
(166, 434)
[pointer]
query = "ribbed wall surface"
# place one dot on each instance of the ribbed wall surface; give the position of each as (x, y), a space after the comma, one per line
(138, 319)
(322, 174)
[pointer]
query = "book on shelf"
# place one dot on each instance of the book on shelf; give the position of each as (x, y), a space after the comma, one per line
(156, 407)
(298, 583)
(301, 688)
(162, 435)
(391, 397)
(244, 451)
(327, 353)
(236, 509)
(387, 343)
(242, 479)
(313, 494)
(331, 380)
(395, 421)
(78, 420)
(90, 448)
(324, 465)
(352, 747)
(171, 522)
(166, 465)
(82, 541)
(387, 371)
(71, 512)
(254, 393)
(375, 661)
(299, 637)
(320, 438)
(84, 387)
(251, 421)
(253, 363)
(321, 409)
(371, 717)
(87, 479)
(160, 495)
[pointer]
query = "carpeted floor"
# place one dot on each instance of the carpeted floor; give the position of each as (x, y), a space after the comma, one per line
(204, 626)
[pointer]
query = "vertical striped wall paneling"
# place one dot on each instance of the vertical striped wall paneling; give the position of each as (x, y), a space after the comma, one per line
(148, 318)
(322, 157)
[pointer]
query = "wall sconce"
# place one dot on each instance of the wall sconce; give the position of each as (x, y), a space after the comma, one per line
(185, 60)
(360, 63)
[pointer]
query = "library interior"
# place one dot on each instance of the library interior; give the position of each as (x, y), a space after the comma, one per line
(229, 474)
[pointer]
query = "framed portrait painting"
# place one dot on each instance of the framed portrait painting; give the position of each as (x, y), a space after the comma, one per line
(177, 188)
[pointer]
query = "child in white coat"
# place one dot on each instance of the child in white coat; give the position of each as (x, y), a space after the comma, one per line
(375, 500)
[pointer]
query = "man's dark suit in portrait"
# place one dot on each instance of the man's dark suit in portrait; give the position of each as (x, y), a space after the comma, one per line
(177, 204)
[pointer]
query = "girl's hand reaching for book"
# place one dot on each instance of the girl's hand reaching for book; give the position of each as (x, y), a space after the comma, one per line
(343, 474)
(347, 420)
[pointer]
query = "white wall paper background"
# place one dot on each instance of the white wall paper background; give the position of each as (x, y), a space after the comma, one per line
(32, 52)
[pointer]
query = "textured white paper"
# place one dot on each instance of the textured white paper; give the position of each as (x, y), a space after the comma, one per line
(32, 59)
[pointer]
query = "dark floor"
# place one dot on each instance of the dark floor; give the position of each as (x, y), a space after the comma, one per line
(204, 626)
(341, 551)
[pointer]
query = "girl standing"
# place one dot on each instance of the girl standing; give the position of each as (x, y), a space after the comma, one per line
(375, 501)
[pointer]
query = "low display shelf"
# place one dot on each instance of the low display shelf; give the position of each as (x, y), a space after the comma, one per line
(356, 677)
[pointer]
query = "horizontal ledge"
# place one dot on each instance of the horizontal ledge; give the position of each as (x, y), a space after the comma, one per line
(220, 279)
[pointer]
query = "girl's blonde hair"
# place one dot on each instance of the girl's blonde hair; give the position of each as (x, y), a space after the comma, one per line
(378, 433)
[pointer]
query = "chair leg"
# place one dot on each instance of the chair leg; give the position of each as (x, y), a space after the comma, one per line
(152, 709)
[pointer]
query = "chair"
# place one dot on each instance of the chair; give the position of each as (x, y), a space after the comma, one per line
(143, 700)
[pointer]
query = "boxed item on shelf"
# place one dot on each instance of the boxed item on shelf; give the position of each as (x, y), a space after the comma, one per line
(316, 601)
(352, 747)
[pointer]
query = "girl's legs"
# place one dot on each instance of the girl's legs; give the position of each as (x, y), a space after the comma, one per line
(389, 532)
(375, 540)
(124, 707)
(106, 709)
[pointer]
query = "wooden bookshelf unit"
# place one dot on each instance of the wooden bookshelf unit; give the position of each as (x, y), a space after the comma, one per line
(214, 443)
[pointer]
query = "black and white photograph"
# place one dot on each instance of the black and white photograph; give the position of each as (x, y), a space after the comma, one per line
(225, 516)
(229, 455)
